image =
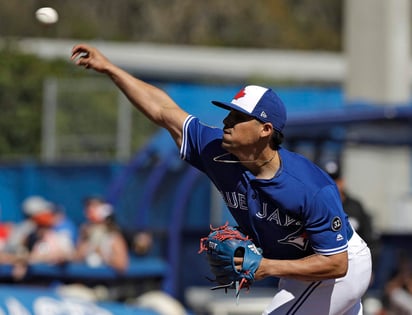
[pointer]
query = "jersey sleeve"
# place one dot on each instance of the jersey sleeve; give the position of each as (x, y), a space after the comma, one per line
(199, 143)
(326, 223)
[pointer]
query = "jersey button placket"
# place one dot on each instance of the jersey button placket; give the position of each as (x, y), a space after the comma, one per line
(253, 206)
(251, 193)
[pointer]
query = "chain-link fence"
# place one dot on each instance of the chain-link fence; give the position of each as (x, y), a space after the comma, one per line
(89, 119)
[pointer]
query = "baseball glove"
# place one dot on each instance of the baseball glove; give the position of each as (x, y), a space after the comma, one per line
(222, 245)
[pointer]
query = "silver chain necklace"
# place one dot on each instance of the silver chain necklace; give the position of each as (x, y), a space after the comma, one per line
(219, 160)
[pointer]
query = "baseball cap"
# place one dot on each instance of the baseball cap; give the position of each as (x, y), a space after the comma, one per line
(35, 205)
(333, 169)
(259, 102)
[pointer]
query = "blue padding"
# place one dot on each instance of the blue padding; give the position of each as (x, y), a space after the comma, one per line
(31, 300)
(140, 267)
(182, 196)
(152, 184)
(118, 184)
(351, 114)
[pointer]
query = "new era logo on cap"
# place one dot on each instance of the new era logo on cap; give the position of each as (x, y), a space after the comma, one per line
(259, 102)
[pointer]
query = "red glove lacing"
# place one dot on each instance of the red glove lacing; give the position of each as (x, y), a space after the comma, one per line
(222, 233)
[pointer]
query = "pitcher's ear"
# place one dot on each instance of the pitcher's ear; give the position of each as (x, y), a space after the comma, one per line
(267, 128)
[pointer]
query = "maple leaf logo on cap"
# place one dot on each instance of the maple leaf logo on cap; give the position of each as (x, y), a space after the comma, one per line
(240, 94)
(259, 102)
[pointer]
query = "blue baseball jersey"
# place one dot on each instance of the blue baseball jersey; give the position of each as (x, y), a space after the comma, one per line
(295, 214)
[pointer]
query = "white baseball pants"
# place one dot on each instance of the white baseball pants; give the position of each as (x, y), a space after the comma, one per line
(329, 297)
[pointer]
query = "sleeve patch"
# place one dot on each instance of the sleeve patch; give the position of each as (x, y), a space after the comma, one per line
(336, 224)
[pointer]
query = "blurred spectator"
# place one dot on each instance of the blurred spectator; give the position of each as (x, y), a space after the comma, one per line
(15, 235)
(14, 249)
(142, 243)
(398, 290)
(101, 241)
(54, 240)
(8, 255)
(45, 236)
(4, 233)
(359, 218)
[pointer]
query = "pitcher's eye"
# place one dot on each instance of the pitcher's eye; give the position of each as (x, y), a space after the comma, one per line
(237, 117)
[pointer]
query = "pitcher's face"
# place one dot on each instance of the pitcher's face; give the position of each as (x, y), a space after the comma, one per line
(240, 130)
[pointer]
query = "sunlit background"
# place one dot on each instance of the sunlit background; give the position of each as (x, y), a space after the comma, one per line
(342, 68)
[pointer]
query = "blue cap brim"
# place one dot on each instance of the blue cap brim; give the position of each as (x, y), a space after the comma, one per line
(230, 106)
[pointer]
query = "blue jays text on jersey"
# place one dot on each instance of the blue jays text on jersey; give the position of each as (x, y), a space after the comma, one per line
(295, 214)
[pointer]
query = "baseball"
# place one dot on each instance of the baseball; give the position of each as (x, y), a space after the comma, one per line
(47, 15)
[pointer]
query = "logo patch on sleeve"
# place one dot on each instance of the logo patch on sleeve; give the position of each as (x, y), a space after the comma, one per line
(336, 224)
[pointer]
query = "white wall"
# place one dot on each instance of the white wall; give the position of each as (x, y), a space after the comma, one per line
(380, 177)
(377, 49)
